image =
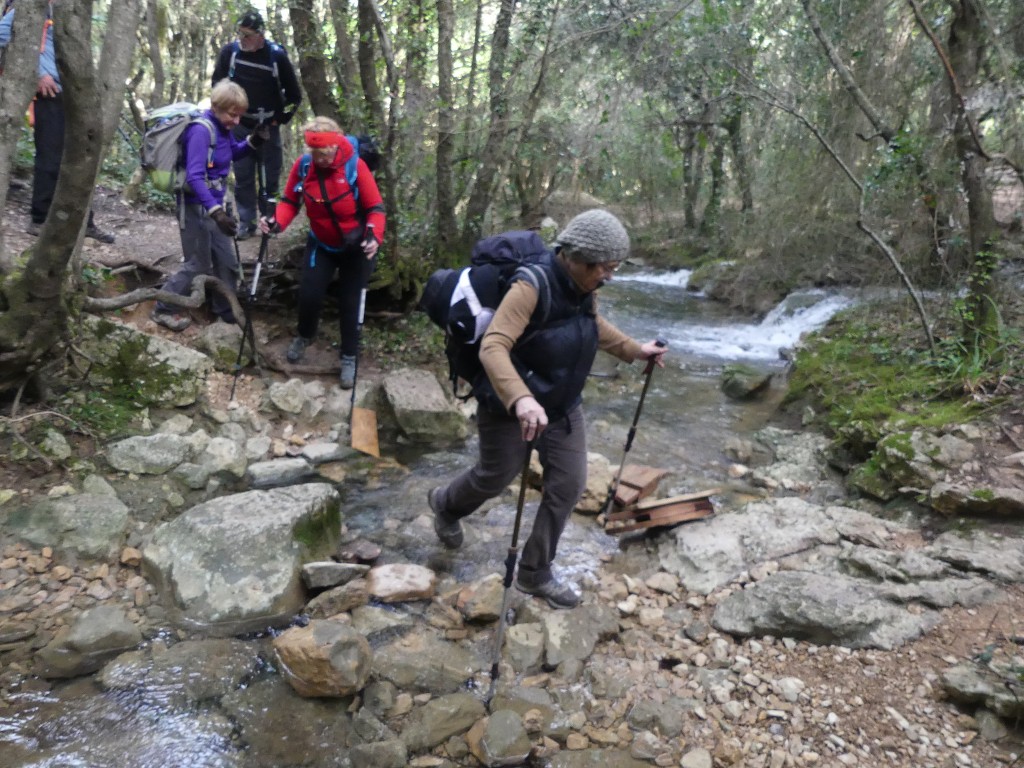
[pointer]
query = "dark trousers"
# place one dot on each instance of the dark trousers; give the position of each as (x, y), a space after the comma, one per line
(48, 134)
(318, 268)
(563, 454)
(207, 251)
(247, 182)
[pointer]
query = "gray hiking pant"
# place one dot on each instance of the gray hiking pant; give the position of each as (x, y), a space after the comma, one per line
(563, 454)
(207, 251)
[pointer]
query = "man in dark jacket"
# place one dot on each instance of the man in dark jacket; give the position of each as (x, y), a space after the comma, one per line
(266, 74)
(532, 395)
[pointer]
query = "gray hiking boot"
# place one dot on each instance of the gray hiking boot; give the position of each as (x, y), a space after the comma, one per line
(348, 371)
(559, 594)
(448, 532)
(297, 349)
(172, 320)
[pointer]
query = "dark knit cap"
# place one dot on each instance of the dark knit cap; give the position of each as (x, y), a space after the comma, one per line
(596, 236)
(251, 19)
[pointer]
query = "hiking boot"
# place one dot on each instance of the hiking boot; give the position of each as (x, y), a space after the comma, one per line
(348, 371)
(448, 532)
(297, 349)
(172, 320)
(33, 228)
(245, 233)
(99, 234)
(559, 594)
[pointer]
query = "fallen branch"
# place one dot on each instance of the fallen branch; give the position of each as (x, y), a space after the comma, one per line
(195, 299)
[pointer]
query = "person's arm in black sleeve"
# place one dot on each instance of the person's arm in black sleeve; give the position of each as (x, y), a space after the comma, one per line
(290, 86)
(220, 69)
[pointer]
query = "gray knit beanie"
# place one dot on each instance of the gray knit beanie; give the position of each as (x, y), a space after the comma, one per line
(596, 236)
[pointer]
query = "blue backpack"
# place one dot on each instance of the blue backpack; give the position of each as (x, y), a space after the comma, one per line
(364, 147)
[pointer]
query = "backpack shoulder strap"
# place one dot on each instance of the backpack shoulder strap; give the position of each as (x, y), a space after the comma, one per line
(203, 120)
(535, 275)
(304, 162)
(235, 48)
(352, 166)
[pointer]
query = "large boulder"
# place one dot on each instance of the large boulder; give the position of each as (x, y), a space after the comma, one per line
(424, 412)
(234, 564)
(90, 526)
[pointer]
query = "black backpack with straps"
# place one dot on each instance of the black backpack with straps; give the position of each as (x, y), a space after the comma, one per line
(462, 301)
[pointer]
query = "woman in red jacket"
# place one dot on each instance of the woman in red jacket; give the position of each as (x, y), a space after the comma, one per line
(346, 227)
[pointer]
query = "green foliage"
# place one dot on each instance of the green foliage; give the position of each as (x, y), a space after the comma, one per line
(410, 340)
(872, 379)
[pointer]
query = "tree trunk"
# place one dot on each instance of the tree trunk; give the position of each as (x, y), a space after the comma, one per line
(17, 84)
(312, 67)
(447, 227)
(967, 42)
(491, 156)
(156, 59)
(35, 295)
(345, 68)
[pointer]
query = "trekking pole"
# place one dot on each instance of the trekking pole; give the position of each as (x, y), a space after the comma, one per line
(510, 567)
(248, 332)
(362, 423)
(614, 486)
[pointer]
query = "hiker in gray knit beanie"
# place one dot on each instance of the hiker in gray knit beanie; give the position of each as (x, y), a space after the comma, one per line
(594, 237)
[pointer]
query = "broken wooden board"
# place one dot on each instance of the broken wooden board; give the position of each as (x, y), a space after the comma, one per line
(661, 512)
(637, 483)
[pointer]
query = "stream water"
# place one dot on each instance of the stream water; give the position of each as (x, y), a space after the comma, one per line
(684, 425)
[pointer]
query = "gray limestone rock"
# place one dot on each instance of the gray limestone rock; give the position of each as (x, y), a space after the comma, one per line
(424, 412)
(96, 635)
(86, 525)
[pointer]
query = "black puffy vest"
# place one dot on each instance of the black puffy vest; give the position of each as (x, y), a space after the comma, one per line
(553, 358)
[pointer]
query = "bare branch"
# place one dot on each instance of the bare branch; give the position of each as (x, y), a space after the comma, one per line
(194, 300)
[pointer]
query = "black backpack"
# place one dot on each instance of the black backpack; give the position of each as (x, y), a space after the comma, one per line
(462, 301)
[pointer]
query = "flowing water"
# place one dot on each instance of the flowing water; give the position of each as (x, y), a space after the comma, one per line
(683, 426)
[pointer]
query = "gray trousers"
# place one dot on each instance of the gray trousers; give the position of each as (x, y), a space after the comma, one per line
(563, 455)
(208, 251)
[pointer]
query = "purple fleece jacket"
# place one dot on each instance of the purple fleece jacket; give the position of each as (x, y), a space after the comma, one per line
(196, 146)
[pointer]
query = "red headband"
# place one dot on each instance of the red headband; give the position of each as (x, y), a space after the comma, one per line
(319, 139)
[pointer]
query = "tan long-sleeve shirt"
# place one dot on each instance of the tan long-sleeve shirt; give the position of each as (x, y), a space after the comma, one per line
(509, 323)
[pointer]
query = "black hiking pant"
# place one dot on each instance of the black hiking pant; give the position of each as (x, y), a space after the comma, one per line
(48, 134)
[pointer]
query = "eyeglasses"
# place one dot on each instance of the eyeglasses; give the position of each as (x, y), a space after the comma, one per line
(608, 267)
(245, 35)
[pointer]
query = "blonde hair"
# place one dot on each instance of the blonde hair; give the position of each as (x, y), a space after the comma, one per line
(227, 96)
(321, 124)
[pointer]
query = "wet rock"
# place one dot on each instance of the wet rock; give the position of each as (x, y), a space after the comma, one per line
(824, 609)
(327, 573)
(322, 453)
(339, 599)
(499, 740)
(278, 472)
(424, 412)
(481, 601)
(440, 718)
(95, 636)
(381, 754)
(149, 454)
(401, 662)
(187, 673)
(524, 647)
(359, 551)
(269, 708)
(324, 658)
(741, 382)
(233, 563)
(533, 705)
(572, 634)
(399, 582)
(85, 525)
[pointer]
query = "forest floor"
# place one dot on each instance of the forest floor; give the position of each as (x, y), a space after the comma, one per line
(903, 682)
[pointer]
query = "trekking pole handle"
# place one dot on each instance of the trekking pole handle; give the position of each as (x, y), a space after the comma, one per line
(658, 342)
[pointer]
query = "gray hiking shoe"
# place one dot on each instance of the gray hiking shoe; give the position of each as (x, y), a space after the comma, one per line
(171, 320)
(559, 594)
(348, 371)
(449, 533)
(297, 349)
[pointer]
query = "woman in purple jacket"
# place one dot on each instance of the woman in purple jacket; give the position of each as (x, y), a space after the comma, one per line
(207, 229)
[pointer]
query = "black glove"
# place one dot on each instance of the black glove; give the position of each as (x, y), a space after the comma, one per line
(259, 136)
(288, 114)
(224, 223)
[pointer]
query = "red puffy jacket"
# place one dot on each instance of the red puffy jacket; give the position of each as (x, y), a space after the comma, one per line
(350, 213)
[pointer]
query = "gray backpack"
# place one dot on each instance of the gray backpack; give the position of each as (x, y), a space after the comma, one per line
(161, 144)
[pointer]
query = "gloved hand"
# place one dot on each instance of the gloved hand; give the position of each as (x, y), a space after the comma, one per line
(288, 114)
(224, 222)
(269, 226)
(259, 136)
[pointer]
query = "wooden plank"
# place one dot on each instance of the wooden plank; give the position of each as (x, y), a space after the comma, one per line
(637, 482)
(673, 499)
(663, 517)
